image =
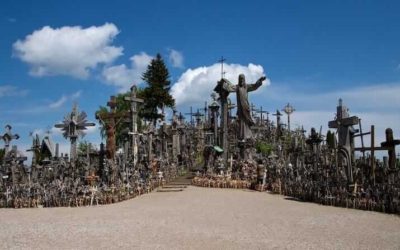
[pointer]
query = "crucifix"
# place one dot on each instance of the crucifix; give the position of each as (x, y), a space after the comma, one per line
(110, 120)
(8, 137)
(344, 125)
(134, 101)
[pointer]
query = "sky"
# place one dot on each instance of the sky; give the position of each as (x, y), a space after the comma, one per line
(55, 53)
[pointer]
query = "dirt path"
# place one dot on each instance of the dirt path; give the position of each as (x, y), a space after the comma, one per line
(199, 218)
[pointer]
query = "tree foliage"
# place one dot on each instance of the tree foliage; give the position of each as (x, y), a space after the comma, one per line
(156, 95)
(122, 128)
(263, 148)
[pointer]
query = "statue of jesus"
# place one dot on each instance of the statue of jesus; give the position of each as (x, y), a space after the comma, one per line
(243, 107)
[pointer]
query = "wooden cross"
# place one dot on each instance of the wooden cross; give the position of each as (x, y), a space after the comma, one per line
(191, 115)
(8, 137)
(134, 101)
(222, 60)
(92, 178)
(198, 116)
(111, 120)
(390, 145)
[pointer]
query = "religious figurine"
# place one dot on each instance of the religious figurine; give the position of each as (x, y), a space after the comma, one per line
(243, 107)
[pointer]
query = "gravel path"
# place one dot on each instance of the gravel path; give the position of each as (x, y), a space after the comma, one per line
(199, 218)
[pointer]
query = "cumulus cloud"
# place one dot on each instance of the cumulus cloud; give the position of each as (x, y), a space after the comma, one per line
(72, 51)
(176, 58)
(9, 90)
(195, 85)
(123, 76)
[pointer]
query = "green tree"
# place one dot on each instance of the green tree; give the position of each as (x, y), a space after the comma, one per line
(83, 146)
(330, 139)
(263, 148)
(156, 95)
(122, 128)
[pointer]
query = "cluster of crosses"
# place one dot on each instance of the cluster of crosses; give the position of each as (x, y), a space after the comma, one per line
(213, 142)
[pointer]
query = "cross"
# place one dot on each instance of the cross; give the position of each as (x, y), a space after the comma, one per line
(278, 117)
(222, 60)
(230, 107)
(133, 101)
(72, 126)
(7, 193)
(191, 115)
(198, 116)
(92, 178)
(288, 109)
(181, 118)
(253, 108)
(261, 112)
(110, 120)
(8, 137)
(205, 109)
(390, 145)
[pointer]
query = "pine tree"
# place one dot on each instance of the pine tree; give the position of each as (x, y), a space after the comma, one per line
(156, 95)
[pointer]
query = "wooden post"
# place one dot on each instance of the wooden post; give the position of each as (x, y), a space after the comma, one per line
(373, 152)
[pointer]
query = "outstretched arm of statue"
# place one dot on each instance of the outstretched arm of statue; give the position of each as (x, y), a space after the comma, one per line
(252, 87)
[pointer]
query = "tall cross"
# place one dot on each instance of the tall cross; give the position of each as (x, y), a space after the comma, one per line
(8, 137)
(110, 120)
(134, 101)
(73, 126)
(288, 109)
(261, 111)
(198, 116)
(191, 115)
(222, 60)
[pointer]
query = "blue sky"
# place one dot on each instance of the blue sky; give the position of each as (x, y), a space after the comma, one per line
(312, 52)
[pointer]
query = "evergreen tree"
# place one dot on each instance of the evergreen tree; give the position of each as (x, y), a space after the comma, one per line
(156, 95)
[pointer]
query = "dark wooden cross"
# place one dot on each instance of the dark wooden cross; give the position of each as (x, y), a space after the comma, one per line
(198, 116)
(261, 112)
(390, 145)
(8, 137)
(191, 115)
(111, 120)
(222, 60)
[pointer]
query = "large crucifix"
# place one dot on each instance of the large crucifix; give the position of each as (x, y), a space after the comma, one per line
(110, 120)
(344, 125)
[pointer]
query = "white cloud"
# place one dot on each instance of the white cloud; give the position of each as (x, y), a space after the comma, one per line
(195, 85)
(123, 76)
(9, 90)
(76, 95)
(58, 103)
(176, 58)
(72, 51)
(64, 98)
